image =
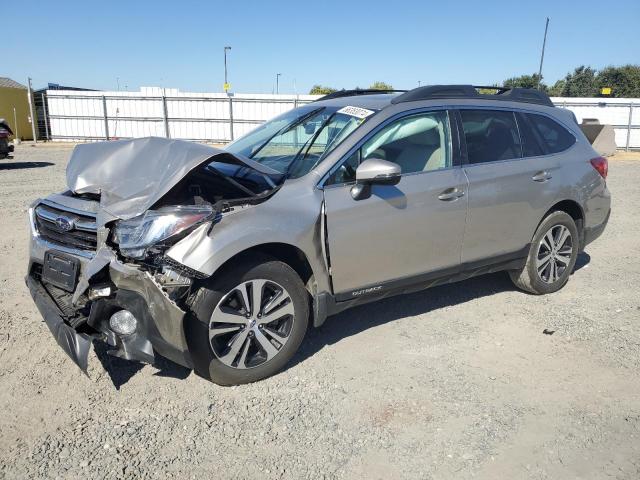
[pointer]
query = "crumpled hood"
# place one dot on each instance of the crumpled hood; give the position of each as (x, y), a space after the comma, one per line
(132, 175)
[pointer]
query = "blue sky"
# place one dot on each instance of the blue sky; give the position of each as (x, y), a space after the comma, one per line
(338, 43)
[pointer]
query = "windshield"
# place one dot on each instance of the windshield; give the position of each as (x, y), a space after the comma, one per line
(298, 140)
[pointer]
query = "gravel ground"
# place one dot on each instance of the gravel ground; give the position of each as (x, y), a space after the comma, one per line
(455, 382)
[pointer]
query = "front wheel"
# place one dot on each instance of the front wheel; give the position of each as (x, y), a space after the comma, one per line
(248, 322)
(552, 255)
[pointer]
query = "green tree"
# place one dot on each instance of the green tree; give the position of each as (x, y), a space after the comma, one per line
(624, 81)
(557, 89)
(380, 86)
(489, 91)
(525, 81)
(580, 83)
(321, 90)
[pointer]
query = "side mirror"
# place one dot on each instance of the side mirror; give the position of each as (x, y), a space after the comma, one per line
(374, 171)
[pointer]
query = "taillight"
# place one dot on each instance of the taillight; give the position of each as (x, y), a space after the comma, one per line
(601, 165)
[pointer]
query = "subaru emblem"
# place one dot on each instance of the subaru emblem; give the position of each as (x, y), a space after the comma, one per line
(65, 224)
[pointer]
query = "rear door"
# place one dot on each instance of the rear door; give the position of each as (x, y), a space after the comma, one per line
(403, 230)
(511, 183)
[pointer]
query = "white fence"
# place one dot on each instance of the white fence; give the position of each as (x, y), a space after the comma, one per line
(212, 117)
(621, 113)
(216, 117)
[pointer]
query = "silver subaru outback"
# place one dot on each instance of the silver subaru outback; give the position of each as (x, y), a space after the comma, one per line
(220, 260)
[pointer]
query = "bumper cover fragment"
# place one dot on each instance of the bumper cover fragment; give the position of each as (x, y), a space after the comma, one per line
(76, 345)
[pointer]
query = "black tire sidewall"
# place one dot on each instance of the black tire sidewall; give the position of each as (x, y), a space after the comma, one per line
(553, 219)
(206, 364)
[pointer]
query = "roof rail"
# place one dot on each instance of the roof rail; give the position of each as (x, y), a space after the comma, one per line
(357, 91)
(436, 92)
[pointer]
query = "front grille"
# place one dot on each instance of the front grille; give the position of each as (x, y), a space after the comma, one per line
(67, 228)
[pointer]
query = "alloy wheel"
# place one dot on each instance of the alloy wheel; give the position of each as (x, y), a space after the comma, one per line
(251, 324)
(554, 253)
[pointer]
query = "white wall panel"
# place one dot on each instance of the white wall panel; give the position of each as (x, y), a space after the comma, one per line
(78, 115)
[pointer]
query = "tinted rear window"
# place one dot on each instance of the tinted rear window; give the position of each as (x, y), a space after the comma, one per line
(556, 138)
(490, 135)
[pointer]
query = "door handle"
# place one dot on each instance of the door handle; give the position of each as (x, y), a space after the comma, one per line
(542, 176)
(451, 194)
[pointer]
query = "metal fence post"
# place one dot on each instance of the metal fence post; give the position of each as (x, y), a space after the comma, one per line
(166, 117)
(45, 114)
(629, 126)
(106, 118)
(231, 116)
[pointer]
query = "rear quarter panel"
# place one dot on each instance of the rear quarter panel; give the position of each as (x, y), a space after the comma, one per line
(580, 182)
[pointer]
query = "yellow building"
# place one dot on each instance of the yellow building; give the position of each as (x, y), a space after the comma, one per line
(14, 96)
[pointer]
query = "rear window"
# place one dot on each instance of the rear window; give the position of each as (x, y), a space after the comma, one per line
(556, 138)
(490, 135)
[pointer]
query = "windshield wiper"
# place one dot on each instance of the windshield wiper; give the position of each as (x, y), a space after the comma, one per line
(308, 144)
(236, 184)
(285, 128)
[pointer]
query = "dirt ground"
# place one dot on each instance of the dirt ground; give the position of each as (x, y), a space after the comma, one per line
(455, 382)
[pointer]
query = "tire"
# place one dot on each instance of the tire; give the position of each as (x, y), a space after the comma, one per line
(539, 276)
(232, 343)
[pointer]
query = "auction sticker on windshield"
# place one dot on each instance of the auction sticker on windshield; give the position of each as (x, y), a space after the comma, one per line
(356, 112)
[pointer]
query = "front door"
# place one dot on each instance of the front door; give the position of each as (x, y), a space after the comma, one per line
(404, 230)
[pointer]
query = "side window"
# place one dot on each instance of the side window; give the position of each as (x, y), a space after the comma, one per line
(555, 136)
(418, 143)
(490, 135)
(532, 142)
(346, 172)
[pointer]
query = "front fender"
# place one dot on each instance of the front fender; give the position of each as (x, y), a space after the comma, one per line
(281, 219)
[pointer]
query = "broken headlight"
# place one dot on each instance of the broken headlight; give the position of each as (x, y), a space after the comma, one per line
(136, 235)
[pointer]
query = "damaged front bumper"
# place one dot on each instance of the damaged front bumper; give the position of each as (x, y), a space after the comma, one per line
(76, 320)
(74, 344)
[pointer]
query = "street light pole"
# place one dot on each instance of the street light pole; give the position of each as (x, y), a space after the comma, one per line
(544, 44)
(226, 79)
(278, 82)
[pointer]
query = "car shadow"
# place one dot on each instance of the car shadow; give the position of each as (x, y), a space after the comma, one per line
(358, 319)
(120, 371)
(24, 165)
(345, 324)
(582, 261)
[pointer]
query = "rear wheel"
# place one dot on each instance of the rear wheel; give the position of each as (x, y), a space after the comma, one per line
(552, 255)
(248, 322)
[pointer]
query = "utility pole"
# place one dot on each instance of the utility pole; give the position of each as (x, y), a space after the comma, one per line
(33, 120)
(544, 44)
(226, 85)
(278, 82)
(15, 123)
